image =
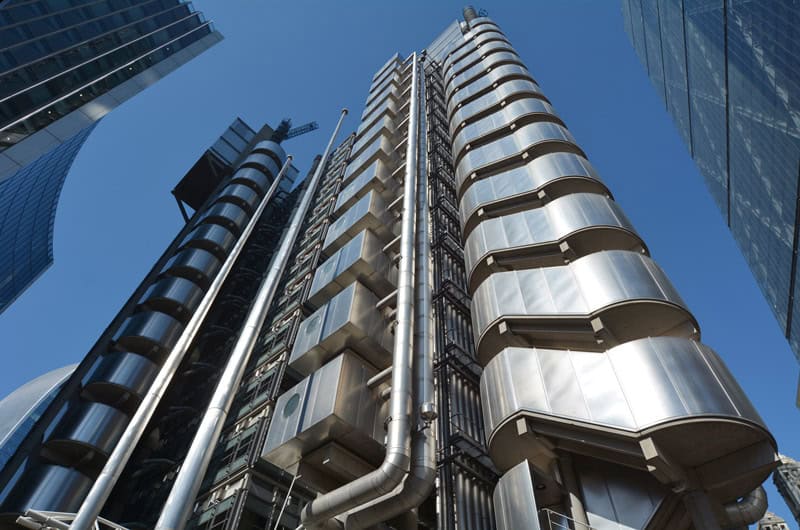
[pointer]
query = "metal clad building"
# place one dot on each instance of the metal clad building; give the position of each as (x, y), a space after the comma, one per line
(454, 327)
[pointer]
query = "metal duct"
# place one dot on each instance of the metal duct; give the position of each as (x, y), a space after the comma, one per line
(747, 511)
(95, 500)
(470, 14)
(419, 482)
(178, 505)
(397, 460)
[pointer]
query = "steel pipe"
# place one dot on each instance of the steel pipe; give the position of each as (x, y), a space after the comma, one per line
(420, 480)
(396, 462)
(747, 511)
(98, 495)
(178, 505)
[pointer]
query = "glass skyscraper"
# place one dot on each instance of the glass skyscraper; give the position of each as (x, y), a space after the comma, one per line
(449, 324)
(729, 72)
(63, 66)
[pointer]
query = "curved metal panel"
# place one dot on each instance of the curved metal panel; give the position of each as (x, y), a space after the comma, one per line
(195, 264)
(120, 373)
(50, 488)
(672, 390)
(175, 296)
(212, 237)
(529, 141)
(467, 47)
(514, 502)
(363, 260)
(507, 91)
(241, 195)
(388, 107)
(471, 75)
(149, 333)
(274, 148)
(602, 299)
(473, 56)
(479, 69)
(561, 231)
(262, 162)
(94, 427)
(498, 122)
(349, 321)
(486, 84)
(228, 215)
(369, 212)
(543, 178)
(375, 177)
(253, 178)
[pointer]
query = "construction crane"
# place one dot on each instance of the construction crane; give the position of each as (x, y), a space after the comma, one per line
(284, 130)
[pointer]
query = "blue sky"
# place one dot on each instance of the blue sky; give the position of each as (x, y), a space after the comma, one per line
(305, 60)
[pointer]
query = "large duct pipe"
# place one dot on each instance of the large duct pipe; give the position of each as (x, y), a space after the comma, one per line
(98, 495)
(178, 506)
(747, 511)
(420, 480)
(397, 459)
(469, 14)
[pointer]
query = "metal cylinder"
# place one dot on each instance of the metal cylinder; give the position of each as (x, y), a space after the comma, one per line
(397, 459)
(95, 500)
(419, 482)
(178, 506)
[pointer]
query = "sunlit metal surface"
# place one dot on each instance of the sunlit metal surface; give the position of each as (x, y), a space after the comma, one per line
(595, 302)
(490, 126)
(544, 178)
(534, 139)
(675, 390)
(348, 320)
(561, 231)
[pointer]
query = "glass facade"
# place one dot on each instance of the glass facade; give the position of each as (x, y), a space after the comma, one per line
(28, 201)
(729, 72)
(63, 65)
(20, 410)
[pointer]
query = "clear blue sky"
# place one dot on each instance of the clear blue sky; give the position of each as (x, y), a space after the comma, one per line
(305, 60)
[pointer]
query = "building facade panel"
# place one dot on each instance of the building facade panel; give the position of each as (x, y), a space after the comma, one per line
(738, 62)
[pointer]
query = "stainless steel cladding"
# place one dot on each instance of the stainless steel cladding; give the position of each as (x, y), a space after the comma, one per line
(563, 230)
(57, 488)
(361, 260)
(349, 320)
(597, 301)
(368, 212)
(514, 502)
(588, 349)
(170, 315)
(526, 187)
(333, 406)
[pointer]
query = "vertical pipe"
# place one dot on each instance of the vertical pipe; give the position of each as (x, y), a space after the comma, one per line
(576, 510)
(181, 497)
(396, 462)
(108, 477)
(420, 480)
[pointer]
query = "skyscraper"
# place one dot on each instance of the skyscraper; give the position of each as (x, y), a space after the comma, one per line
(772, 522)
(459, 329)
(787, 480)
(729, 73)
(63, 66)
